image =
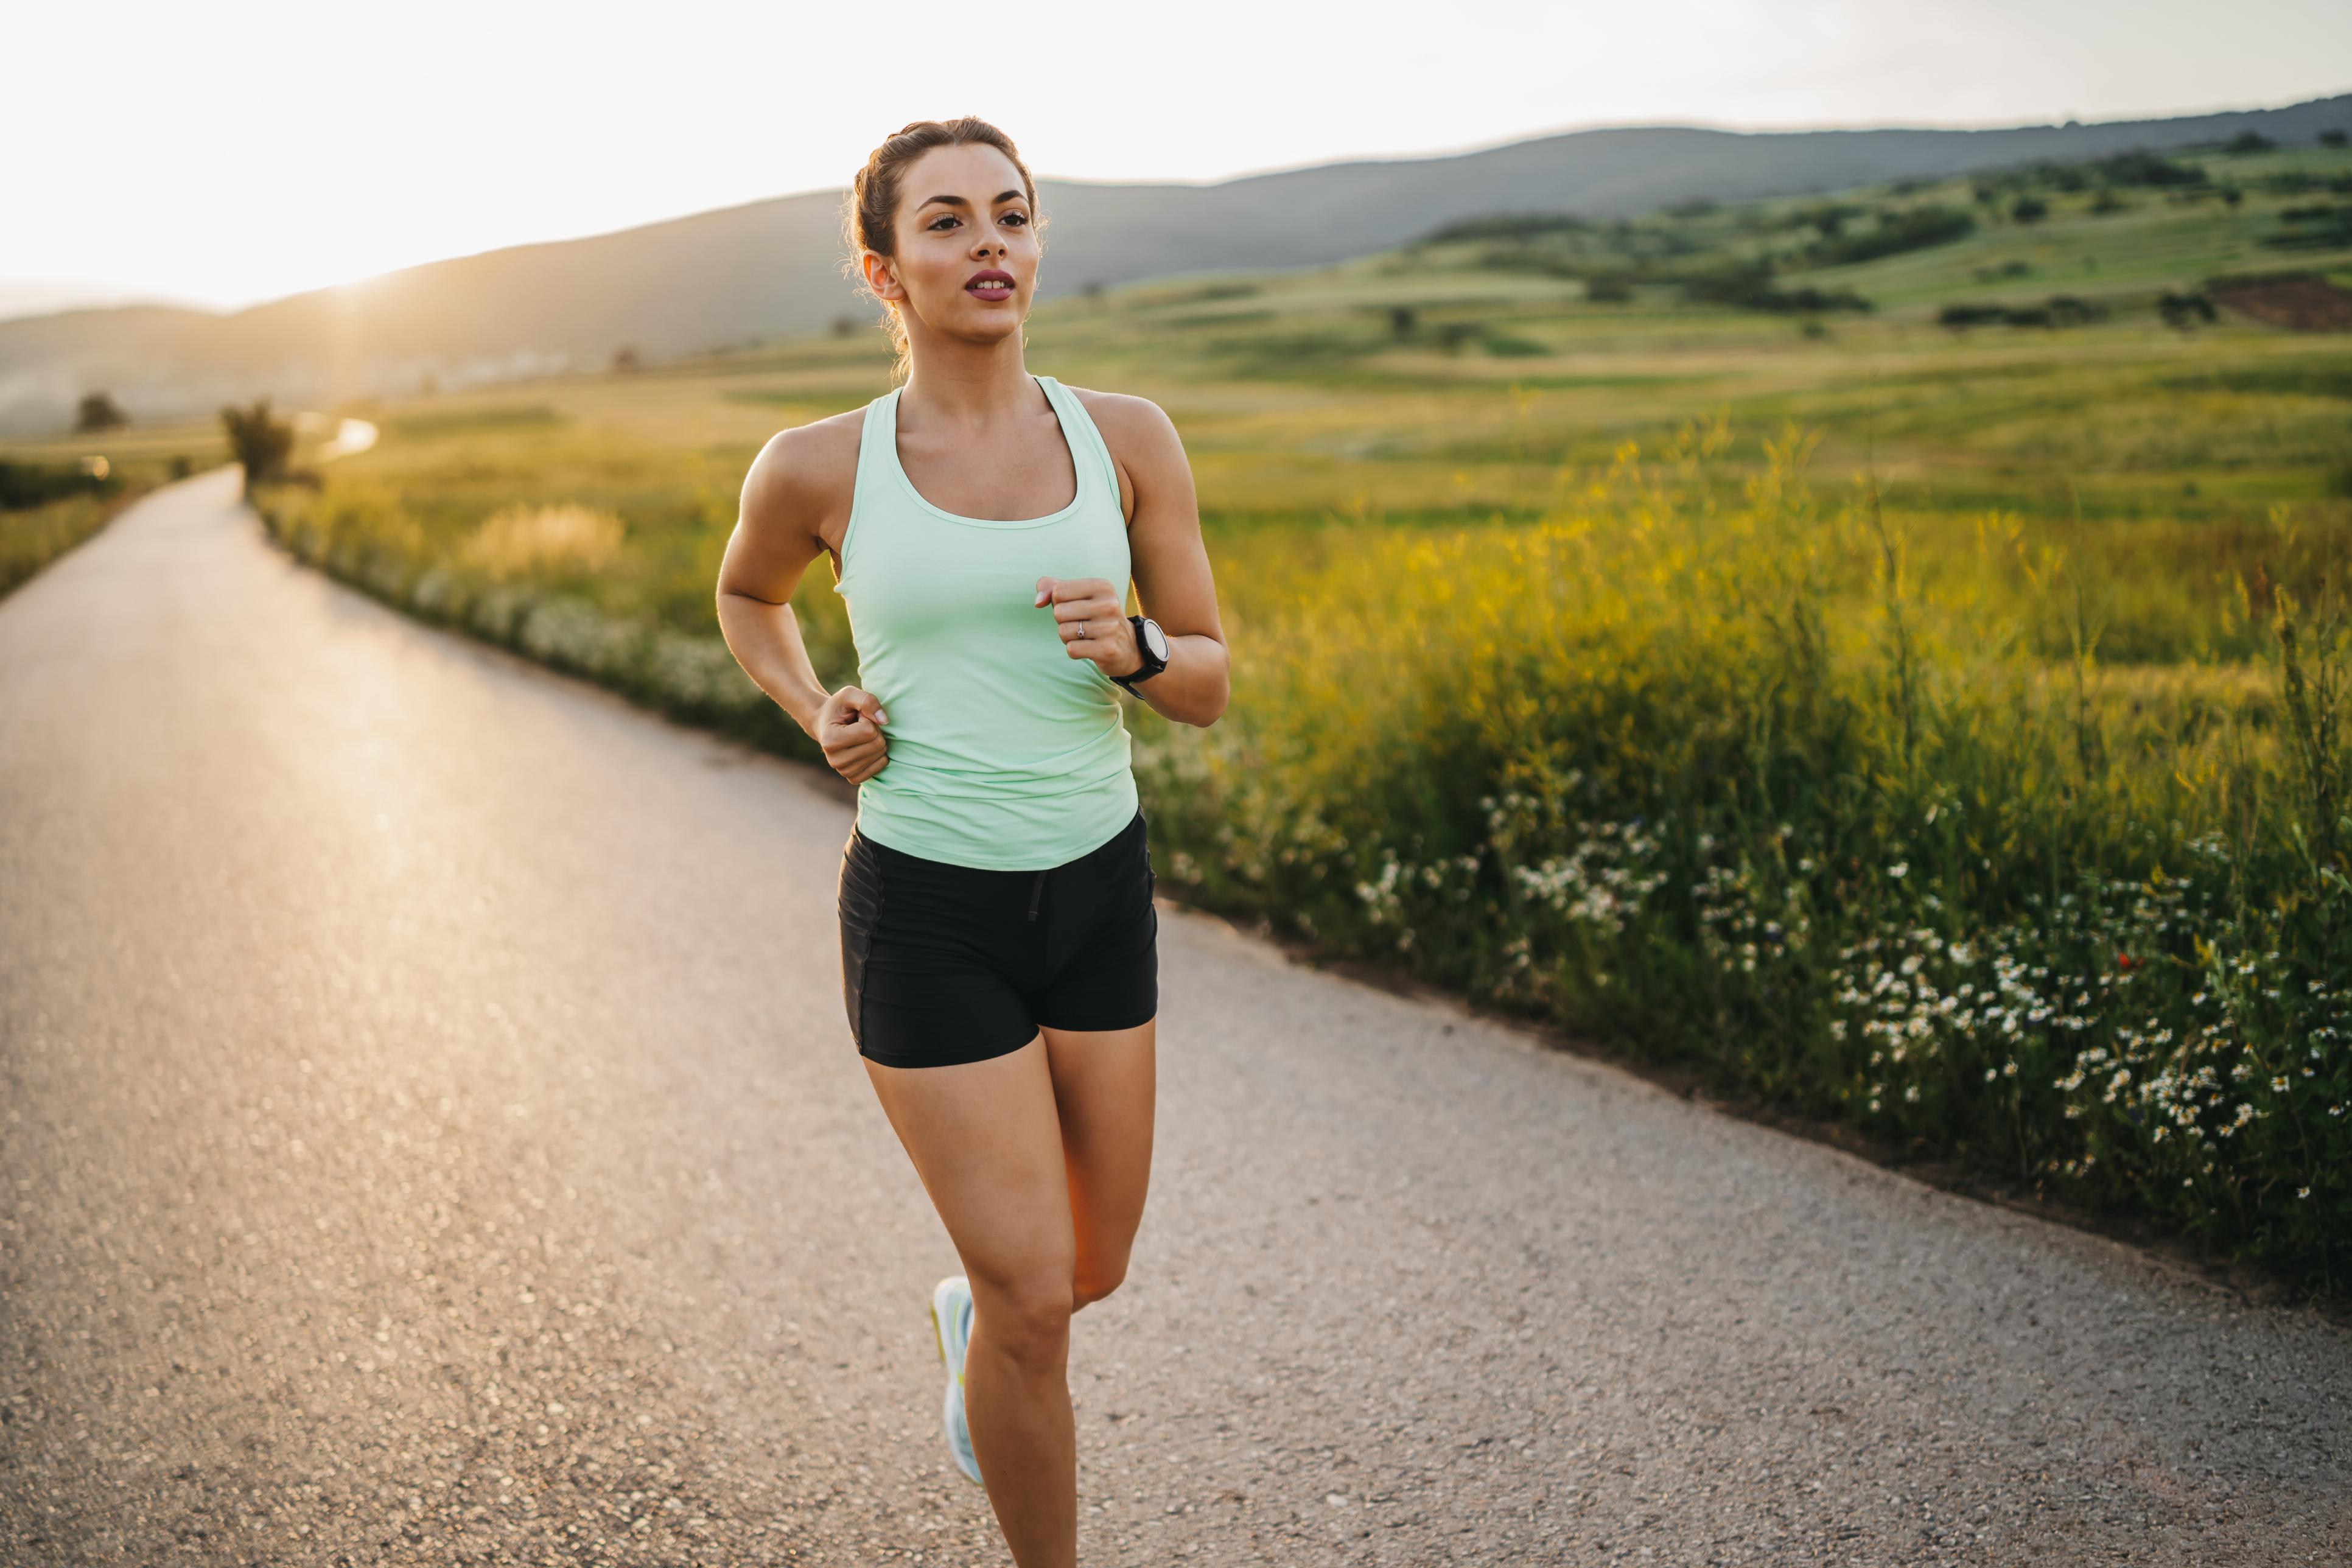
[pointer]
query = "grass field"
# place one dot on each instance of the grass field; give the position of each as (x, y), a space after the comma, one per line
(1942, 729)
(131, 462)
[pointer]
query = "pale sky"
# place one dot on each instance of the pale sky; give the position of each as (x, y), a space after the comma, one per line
(237, 150)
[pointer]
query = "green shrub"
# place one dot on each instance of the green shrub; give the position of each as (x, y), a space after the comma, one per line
(2147, 169)
(1896, 233)
(2184, 311)
(1511, 345)
(2015, 266)
(98, 412)
(2058, 311)
(1748, 285)
(2320, 226)
(24, 485)
(261, 444)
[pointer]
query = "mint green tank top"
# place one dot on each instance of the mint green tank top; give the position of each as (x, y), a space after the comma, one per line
(1005, 754)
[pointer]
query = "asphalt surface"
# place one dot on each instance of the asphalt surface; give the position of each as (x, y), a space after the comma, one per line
(429, 1134)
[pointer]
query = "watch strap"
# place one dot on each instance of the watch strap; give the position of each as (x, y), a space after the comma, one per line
(1151, 666)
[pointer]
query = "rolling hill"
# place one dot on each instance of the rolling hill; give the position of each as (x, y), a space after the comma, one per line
(773, 268)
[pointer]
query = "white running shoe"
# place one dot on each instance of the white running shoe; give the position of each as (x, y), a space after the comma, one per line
(951, 1323)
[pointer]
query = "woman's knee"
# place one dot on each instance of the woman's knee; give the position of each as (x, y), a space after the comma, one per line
(1028, 1317)
(1094, 1282)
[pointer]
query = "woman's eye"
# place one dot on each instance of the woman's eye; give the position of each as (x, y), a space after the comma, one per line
(1014, 219)
(936, 222)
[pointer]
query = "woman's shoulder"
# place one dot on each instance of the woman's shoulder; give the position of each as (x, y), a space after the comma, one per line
(810, 450)
(809, 469)
(1135, 428)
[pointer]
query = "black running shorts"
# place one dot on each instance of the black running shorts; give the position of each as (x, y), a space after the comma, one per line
(943, 964)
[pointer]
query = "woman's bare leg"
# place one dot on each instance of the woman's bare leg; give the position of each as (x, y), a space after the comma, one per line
(1104, 1085)
(1037, 1163)
(985, 1139)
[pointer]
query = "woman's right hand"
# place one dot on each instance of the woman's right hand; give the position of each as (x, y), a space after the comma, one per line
(849, 729)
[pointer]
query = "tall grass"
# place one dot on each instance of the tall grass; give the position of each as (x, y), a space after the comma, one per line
(543, 540)
(1724, 782)
(33, 536)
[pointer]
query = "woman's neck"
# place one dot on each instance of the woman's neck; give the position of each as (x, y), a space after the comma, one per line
(970, 384)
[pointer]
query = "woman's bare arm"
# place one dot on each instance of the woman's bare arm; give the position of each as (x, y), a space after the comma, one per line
(801, 481)
(1170, 563)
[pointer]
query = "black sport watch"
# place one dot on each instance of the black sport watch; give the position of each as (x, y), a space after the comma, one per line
(1152, 643)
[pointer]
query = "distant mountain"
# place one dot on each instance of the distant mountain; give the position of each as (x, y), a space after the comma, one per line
(773, 268)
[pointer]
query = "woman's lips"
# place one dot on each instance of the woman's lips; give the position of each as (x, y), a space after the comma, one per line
(991, 285)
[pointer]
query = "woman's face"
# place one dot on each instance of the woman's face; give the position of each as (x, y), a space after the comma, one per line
(967, 261)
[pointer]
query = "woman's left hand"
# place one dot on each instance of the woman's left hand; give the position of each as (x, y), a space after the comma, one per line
(1093, 622)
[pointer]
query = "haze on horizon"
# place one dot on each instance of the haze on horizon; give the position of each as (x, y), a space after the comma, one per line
(228, 154)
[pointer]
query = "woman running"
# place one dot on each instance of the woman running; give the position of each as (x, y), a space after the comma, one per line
(998, 941)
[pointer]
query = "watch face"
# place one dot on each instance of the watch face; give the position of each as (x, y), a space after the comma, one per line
(1156, 639)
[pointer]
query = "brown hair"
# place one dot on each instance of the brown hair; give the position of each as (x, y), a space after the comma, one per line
(871, 210)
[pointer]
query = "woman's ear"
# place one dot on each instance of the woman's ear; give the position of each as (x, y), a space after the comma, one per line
(879, 277)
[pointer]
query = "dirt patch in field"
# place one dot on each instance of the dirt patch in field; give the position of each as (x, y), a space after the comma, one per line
(2305, 302)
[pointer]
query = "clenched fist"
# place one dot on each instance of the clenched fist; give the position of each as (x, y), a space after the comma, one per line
(1093, 622)
(849, 729)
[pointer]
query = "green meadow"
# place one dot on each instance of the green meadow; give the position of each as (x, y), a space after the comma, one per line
(1884, 651)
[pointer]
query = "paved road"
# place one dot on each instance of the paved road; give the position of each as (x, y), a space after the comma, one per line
(431, 1136)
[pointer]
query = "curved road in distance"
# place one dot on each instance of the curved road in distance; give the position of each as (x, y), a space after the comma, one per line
(431, 1136)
